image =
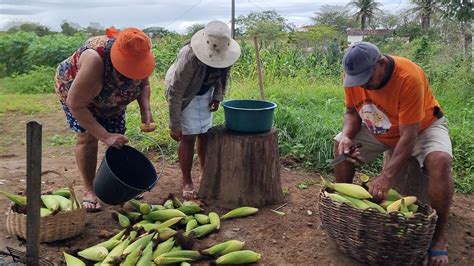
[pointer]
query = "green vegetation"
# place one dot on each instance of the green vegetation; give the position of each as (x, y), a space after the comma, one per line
(302, 75)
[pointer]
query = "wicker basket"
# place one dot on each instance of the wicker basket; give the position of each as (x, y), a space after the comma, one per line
(375, 238)
(59, 226)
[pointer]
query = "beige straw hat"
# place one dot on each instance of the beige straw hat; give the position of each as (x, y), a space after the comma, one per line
(214, 47)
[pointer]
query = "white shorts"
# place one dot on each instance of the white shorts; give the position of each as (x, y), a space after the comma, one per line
(196, 118)
(433, 138)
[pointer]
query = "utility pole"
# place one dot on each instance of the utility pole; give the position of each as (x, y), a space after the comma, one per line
(232, 31)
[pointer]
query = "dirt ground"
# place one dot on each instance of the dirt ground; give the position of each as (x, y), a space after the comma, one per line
(293, 239)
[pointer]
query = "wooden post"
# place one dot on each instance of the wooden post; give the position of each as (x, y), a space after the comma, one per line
(241, 169)
(259, 68)
(33, 191)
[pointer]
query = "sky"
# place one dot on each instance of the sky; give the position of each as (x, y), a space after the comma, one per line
(174, 15)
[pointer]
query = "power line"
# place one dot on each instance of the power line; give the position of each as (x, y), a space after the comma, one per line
(185, 13)
(259, 7)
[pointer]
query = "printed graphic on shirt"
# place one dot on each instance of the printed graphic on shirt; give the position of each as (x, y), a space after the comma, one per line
(376, 121)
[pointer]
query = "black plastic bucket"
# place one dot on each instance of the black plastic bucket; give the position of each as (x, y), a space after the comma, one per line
(123, 174)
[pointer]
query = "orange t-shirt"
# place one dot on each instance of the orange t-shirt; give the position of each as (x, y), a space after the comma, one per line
(405, 99)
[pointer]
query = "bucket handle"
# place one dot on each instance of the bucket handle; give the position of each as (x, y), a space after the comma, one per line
(162, 154)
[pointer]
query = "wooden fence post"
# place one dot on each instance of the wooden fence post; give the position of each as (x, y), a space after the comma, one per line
(33, 191)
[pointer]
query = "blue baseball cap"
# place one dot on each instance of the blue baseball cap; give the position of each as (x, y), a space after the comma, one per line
(358, 62)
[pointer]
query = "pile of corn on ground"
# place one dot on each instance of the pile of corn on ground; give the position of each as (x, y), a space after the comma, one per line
(60, 200)
(165, 234)
(358, 197)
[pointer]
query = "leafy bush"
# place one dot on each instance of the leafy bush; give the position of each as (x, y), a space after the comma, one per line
(39, 80)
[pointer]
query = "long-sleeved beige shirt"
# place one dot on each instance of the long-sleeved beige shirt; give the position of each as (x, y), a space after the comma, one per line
(183, 81)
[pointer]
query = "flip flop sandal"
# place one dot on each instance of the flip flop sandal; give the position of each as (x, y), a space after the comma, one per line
(139, 196)
(437, 252)
(92, 202)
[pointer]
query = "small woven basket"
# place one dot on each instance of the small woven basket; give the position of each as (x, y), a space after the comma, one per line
(376, 238)
(58, 226)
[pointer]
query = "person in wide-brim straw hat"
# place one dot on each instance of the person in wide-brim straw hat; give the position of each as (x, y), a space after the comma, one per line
(195, 85)
(95, 85)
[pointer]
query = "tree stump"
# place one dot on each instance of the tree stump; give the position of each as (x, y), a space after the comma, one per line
(411, 180)
(241, 169)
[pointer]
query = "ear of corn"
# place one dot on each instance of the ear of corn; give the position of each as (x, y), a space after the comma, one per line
(64, 192)
(385, 203)
(142, 241)
(224, 248)
(215, 220)
(352, 190)
(45, 212)
(239, 212)
(168, 204)
(176, 202)
(134, 216)
(239, 257)
(403, 207)
(413, 208)
(133, 257)
(395, 206)
(187, 219)
(132, 236)
(122, 219)
(116, 252)
(166, 233)
(184, 263)
(192, 254)
(163, 215)
(393, 195)
(176, 248)
(191, 225)
(201, 218)
(145, 208)
(157, 207)
(374, 206)
(202, 230)
(169, 260)
(95, 253)
(64, 203)
(119, 235)
(163, 247)
(168, 223)
(357, 202)
(135, 203)
(190, 209)
(17, 199)
(109, 244)
(338, 198)
(147, 255)
(50, 202)
(72, 261)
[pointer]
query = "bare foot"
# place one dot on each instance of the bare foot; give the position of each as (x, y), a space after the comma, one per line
(438, 255)
(90, 202)
(189, 193)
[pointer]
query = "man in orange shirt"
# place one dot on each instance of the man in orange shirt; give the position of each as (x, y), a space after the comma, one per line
(390, 107)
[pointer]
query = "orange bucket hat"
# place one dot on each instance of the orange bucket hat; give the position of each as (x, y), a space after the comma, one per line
(131, 53)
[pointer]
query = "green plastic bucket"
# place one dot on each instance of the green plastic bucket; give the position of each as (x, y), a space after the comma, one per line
(248, 116)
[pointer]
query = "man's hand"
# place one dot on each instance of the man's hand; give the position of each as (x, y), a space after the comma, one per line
(380, 186)
(214, 105)
(176, 134)
(345, 147)
(115, 140)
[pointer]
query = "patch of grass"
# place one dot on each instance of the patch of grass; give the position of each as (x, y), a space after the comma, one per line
(27, 103)
(62, 140)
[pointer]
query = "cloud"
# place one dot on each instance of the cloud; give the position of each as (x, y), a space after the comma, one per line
(171, 14)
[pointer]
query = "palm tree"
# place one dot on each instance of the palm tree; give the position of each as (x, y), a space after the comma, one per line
(366, 10)
(424, 10)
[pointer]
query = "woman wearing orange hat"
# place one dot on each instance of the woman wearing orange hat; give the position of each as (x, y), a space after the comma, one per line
(95, 85)
(195, 85)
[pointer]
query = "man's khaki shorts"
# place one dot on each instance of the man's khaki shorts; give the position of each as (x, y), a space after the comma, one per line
(434, 138)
